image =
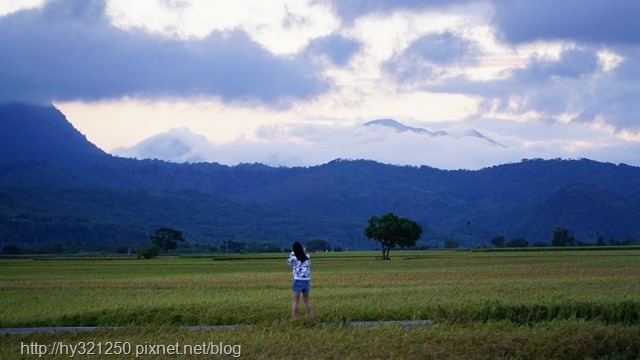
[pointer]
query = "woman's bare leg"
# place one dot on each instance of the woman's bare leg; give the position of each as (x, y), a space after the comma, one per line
(294, 306)
(307, 303)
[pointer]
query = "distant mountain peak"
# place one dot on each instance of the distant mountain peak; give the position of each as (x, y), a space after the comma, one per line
(400, 127)
(175, 145)
(478, 134)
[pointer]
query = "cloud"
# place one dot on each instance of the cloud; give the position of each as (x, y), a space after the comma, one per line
(301, 144)
(176, 145)
(575, 88)
(572, 64)
(338, 48)
(69, 50)
(89, 11)
(10, 6)
(349, 10)
(590, 21)
(283, 27)
(544, 79)
(628, 70)
(442, 49)
(312, 144)
(431, 56)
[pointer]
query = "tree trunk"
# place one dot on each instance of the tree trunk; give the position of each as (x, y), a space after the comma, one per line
(385, 250)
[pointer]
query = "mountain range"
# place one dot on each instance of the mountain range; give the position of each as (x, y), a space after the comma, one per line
(57, 187)
(398, 126)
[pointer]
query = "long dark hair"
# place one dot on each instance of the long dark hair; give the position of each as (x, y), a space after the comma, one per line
(298, 251)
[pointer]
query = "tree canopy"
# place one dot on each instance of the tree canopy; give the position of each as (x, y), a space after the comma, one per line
(166, 238)
(498, 241)
(561, 238)
(391, 231)
(517, 242)
(318, 245)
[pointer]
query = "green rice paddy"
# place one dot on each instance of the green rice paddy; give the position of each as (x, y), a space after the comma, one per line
(564, 304)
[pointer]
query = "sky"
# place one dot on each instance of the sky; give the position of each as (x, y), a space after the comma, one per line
(290, 82)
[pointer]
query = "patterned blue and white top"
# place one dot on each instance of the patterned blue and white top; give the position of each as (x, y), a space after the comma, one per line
(301, 270)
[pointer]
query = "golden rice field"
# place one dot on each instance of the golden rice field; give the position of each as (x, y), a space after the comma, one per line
(519, 305)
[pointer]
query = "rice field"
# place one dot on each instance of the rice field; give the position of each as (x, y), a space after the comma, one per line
(563, 304)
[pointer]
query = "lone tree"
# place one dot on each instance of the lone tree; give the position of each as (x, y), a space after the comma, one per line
(166, 238)
(561, 238)
(391, 230)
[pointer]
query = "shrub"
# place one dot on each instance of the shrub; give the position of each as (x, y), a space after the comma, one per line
(149, 251)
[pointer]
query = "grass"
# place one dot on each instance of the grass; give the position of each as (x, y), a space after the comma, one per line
(568, 304)
(289, 340)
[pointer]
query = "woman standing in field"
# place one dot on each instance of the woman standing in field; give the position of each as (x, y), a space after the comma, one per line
(301, 265)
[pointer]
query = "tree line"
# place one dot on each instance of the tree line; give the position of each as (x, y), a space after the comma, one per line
(560, 238)
(388, 229)
(166, 239)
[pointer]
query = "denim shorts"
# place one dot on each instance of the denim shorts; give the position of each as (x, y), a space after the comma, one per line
(301, 286)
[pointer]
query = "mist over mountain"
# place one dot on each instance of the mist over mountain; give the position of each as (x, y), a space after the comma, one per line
(56, 187)
(394, 124)
(478, 134)
(176, 145)
(402, 127)
(376, 139)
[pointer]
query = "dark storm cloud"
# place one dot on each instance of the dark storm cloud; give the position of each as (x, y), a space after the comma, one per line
(575, 83)
(629, 69)
(338, 48)
(442, 49)
(69, 50)
(588, 21)
(616, 95)
(350, 10)
(423, 58)
(572, 64)
(88, 11)
(539, 76)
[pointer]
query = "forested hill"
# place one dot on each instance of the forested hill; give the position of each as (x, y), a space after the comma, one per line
(42, 133)
(55, 186)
